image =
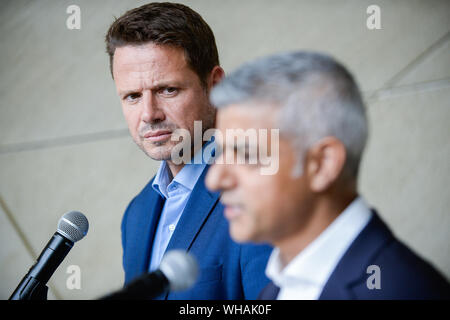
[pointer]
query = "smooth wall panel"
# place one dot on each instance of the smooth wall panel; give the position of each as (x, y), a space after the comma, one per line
(405, 170)
(55, 82)
(249, 29)
(436, 66)
(15, 260)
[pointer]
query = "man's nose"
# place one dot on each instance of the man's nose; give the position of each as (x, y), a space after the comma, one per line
(152, 110)
(219, 178)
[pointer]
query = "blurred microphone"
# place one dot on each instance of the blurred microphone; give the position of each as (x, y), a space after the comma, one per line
(72, 226)
(178, 271)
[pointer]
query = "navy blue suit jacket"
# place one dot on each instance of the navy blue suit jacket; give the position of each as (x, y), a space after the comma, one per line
(403, 274)
(228, 270)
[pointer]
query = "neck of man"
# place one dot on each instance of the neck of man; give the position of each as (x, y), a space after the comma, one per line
(174, 168)
(325, 209)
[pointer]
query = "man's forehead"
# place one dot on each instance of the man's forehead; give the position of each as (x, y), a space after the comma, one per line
(151, 67)
(145, 60)
(247, 115)
(244, 121)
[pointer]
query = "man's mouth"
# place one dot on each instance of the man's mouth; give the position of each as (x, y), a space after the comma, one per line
(157, 136)
(233, 211)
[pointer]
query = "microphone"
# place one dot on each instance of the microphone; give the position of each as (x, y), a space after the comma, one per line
(72, 226)
(178, 271)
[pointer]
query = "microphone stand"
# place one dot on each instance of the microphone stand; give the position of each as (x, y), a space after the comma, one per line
(30, 289)
(33, 285)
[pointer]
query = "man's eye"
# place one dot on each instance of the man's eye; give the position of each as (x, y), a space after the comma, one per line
(169, 91)
(132, 97)
(248, 156)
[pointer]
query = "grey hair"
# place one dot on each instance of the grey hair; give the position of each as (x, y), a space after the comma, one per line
(316, 95)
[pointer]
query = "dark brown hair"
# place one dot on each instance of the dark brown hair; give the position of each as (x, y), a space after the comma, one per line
(166, 24)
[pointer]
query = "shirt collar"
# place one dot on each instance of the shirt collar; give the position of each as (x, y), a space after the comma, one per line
(316, 262)
(188, 175)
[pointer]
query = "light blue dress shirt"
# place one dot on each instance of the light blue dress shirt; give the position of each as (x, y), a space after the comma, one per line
(176, 193)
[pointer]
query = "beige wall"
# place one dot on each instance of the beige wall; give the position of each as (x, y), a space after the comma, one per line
(65, 146)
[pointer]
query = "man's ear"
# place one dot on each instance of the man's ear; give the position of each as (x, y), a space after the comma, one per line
(216, 75)
(325, 162)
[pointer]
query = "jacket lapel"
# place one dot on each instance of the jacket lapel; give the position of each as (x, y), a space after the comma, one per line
(269, 292)
(351, 269)
(197, 210)
(140, 248)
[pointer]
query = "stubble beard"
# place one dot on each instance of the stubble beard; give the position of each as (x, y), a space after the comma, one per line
(165, 147)
(154, 153)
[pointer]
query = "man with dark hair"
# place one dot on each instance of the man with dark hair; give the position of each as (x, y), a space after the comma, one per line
(164, 62)
(329, 243)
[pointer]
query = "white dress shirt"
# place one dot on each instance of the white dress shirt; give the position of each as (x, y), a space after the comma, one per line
(305, 276)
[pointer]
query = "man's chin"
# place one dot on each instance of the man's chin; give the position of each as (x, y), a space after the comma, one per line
(158, 153)
(240, 234)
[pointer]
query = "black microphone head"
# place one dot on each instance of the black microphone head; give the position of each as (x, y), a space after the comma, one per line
(180, 268)
(73, 225)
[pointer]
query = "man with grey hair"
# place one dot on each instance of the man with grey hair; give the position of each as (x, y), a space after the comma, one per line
(328, 243)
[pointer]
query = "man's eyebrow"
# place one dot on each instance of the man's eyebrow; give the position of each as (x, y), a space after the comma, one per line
(125, 93)
(246, 147)
(155, 87)
(241, 146)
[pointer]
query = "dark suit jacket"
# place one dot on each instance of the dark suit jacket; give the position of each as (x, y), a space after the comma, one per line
(403, 274)
(227, 270)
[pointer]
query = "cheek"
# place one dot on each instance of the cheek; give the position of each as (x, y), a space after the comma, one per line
(269, 198)
(179, 114)
(261, 197)
(192, 107)
(133, 122)
(132, 117)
